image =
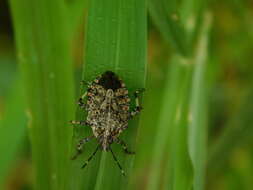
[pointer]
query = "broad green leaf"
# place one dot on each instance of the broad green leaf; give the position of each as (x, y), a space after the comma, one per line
(116, 40)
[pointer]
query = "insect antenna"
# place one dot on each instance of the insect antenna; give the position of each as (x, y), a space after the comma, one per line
(89, 159)
(114, 157)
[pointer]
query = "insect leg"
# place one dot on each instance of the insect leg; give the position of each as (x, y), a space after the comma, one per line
(83, 123)
(115, 159)
(83, 82)
(80, 101)
(124, 146)
(79, 146)
(137, 108)
(89, 159)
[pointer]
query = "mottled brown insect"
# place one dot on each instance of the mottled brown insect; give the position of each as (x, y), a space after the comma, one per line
(108, 107)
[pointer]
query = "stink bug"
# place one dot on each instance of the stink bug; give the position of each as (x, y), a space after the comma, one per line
(108, 106)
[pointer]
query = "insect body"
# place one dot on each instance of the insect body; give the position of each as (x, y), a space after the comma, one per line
(108, 107)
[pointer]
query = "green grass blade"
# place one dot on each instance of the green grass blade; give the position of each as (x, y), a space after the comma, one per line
(12, 129)
(166, 18)
(180, 171)
(115, 40)
(76, 13)
(179, 164)
(178, 22)
(177, 79)
(192, 14)
(198, 112)
(44, 56)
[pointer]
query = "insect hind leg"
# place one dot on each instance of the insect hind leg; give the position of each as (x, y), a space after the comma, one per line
(116, 160)
(89, 159)
(124, 146)
(80, 145)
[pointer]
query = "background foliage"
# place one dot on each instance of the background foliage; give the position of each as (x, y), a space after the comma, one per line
(195, 131)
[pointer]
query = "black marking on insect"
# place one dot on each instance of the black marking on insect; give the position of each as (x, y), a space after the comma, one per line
(108, 107)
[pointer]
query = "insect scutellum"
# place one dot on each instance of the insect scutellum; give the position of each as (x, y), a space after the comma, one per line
(108, 106)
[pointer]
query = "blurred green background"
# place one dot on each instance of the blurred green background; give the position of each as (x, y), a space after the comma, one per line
(223, 98)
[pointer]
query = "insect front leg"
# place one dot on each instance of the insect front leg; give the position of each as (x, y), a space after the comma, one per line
(81, 101)
(83, 82)
(137, 108)
(80, 145)
(124, 146)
